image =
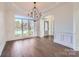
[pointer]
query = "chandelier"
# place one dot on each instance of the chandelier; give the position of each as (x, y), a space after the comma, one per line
(34, 13)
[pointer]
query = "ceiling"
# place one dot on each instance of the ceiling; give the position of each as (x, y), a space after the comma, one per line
(40, 5)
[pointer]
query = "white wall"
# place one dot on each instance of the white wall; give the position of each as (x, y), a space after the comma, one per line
(2, 28)
(76, 26)
(10, 22)
(63, 24)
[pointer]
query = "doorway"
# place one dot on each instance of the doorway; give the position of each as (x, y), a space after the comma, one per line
(46, 28)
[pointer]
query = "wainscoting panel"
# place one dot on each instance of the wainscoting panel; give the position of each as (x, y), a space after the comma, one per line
(65, 39)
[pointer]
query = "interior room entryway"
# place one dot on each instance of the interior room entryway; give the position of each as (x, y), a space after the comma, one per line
(46, 28)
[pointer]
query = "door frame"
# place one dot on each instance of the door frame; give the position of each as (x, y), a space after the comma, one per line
(46, 27)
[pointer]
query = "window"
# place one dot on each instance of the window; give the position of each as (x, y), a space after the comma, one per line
(18, 31)
(24, 27)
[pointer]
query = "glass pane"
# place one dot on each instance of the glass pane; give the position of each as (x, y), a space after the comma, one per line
(25, 27)
(30, 27)
(18, 31)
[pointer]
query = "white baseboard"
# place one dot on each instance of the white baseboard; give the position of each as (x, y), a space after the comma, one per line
(2, 45)
(63, 43)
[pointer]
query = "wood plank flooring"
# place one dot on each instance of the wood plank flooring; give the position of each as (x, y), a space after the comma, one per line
(37, 47)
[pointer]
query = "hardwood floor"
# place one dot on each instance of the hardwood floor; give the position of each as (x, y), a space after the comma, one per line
(36, 47)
